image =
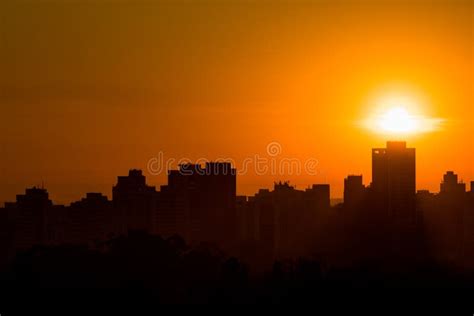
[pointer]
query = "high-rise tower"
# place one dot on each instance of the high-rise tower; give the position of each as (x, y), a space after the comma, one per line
(393, 181)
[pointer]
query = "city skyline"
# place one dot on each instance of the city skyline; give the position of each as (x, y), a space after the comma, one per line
(375, 152)
(267, 164)
(199, 203)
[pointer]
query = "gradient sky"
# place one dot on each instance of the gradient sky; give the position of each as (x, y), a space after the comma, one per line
(90, 89)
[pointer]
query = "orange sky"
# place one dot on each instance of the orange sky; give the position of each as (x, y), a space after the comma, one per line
(89, 90)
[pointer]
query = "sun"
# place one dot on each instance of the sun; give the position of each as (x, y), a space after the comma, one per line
(399, 114)
(398, 120)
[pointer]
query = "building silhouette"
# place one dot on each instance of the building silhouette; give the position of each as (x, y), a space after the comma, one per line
(30, 214)
(171, 214)
(451, 202)
(134, 203)
(318, 197)
(281, 223)
(200, 203)
(354, 191)
(450, 184)
(90, 220)
(33, 220)
(394, 182)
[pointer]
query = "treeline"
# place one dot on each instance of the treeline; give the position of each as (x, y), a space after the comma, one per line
(141, 266)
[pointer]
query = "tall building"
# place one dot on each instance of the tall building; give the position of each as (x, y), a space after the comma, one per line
(451, 215)
(354, 190)
(172, 213)
(394, 182)
(134, 203)
(450, 184)
(318, 196)
(284, 220)
(200, 203)
(31, 217)
(267, 228)
(89, 220)
(246, 219)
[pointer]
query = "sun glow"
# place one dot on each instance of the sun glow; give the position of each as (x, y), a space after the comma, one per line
(398, 120)
(400, 115)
